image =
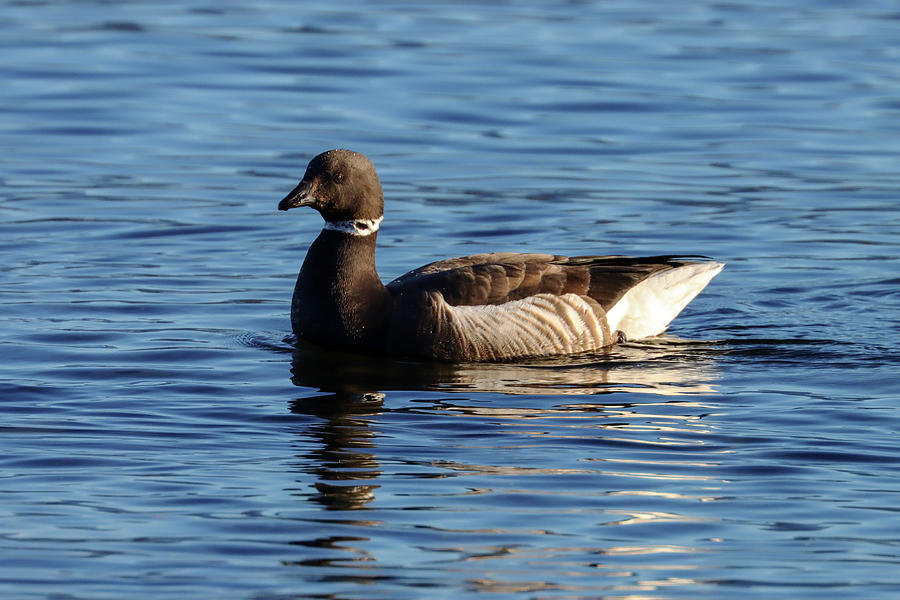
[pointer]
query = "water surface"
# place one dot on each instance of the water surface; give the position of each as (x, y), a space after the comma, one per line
(159, 438)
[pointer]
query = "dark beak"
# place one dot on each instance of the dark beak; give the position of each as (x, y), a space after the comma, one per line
(299, 196)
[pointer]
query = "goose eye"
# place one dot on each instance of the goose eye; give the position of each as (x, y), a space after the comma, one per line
(337, 177)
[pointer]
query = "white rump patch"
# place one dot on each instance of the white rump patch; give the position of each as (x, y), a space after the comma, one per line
(540, 325)
(648, 308)
(355, 226)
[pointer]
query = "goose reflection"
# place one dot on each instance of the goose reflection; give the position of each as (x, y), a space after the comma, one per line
(347, 396)
(345, 470)
(342, 465)
(665, 366)
(353, 397)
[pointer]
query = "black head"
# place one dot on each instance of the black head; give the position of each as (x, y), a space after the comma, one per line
(341, 185)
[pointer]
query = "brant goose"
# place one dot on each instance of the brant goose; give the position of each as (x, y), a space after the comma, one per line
(484, 307)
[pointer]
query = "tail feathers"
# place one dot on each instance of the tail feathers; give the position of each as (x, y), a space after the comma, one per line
(648, 308)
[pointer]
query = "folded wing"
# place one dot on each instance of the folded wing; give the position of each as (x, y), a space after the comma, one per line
(506, 305)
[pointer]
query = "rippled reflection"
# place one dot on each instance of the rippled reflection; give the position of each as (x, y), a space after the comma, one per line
(664, 366)
(629, 468)
(345, 468)
(340, 460)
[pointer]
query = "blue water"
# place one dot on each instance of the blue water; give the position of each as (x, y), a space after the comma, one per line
(159, 438)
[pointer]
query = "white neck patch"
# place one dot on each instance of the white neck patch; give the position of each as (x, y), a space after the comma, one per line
(355, 226)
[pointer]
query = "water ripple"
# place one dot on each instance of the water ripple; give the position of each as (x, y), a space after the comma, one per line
(163, 436)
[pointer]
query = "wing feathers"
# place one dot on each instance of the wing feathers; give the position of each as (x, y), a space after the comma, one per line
(501, 277)
(500, 306)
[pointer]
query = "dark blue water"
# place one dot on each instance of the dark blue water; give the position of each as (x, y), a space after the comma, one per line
(160, 439)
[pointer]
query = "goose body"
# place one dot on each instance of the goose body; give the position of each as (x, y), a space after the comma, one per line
(483, 307)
